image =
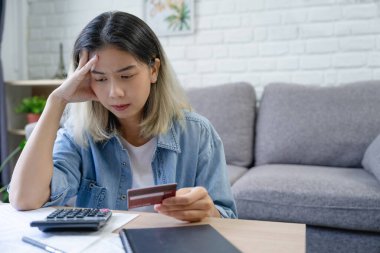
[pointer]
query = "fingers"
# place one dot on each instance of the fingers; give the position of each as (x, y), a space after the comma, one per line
(201, 204)
(187, 215)
(84, 62)
(87, 67)
(83, 72)
(189, 204)
(77, 87)
(83, 58)
(186, 196)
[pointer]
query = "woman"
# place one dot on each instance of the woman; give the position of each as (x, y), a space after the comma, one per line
(133, 129)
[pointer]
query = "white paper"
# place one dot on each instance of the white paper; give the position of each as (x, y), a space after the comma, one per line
(15, 224)
(110, 243)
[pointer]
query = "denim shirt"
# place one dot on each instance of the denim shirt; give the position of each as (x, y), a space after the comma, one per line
(100, 174)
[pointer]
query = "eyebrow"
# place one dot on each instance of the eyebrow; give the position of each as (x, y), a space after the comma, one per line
(117, 71)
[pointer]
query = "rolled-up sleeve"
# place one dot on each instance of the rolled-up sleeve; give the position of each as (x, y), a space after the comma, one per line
(212, 173)
(67, 169)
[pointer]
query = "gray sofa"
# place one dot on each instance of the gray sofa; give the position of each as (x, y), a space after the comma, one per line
(296, 156)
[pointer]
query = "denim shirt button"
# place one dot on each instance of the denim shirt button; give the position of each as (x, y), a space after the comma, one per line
(123, 197)
(91, 185)
(124, 163)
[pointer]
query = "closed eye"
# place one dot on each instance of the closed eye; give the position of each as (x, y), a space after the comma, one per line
(101, 79)
(127, 77)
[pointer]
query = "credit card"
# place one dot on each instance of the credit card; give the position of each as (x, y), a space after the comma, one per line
(150, 195)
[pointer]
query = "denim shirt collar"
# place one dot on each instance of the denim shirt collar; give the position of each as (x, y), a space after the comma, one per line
(168, 140)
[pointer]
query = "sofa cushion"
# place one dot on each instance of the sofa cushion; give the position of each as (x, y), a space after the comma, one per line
(322, 240)
(235, 172)
(371, 159)
(329, 126)
(231, 110)
(346, 198)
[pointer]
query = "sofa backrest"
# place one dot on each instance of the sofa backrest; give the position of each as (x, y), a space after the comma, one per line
(231, 110)
(329, 126)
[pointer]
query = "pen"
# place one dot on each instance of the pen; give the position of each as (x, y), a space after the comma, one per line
(41, 245)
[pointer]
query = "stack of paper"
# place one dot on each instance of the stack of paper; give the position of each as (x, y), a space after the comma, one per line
(15, 225)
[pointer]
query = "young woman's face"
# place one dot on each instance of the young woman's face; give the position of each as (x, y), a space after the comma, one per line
(121, 83)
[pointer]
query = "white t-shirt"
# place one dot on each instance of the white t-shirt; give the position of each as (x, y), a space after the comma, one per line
(141, 165)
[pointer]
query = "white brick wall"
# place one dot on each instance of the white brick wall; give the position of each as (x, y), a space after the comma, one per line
(325, 42)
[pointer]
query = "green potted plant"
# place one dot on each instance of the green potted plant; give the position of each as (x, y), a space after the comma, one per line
(33, 106)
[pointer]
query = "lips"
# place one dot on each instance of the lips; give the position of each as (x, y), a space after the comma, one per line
(120, 107)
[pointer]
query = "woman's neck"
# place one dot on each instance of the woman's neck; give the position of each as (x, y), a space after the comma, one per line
(131, 131)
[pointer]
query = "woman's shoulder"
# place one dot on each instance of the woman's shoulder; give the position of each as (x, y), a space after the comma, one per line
(195, 130)
(193, 118)
(66, 134)
(66, 141)
(194, 123)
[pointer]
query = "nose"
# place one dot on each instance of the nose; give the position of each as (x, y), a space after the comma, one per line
(115, 89)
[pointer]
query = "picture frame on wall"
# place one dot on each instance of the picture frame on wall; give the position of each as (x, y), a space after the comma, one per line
(170, 17)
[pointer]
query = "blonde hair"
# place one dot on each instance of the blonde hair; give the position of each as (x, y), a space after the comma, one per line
(166, 101)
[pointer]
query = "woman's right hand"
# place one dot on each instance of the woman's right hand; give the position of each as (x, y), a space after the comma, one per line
(76, 88)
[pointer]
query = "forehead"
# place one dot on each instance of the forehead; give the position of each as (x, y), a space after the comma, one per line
(111, 51)
(111, 58)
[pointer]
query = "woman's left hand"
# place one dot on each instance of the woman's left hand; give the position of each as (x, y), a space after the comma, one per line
(189, 204)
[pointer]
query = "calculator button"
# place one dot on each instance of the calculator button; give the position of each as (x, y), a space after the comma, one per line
(83, 213)
(92, 213)
(63, 214)
(88, 214)
(73, 213)
(54, 214)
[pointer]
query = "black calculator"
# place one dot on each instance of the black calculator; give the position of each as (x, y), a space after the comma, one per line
(76, 219)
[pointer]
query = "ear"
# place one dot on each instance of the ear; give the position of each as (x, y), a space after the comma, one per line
(154, 70)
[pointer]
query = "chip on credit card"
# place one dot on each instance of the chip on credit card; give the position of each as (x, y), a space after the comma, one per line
(150, 195)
